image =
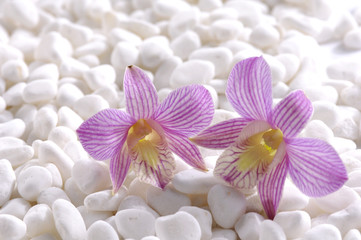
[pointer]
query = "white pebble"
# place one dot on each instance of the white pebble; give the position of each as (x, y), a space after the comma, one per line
(164, 72)
(135, 223)
(347, 218)
(344, 69)
(76, 33)
(96, 177)
(270, 230)
(292, 198)
(347, 128)
(89, 105)
(50, 195)
(292, 64)
(226, 29)
(187, 227)
(47, 71)
(184, 44)
(280, 90)
(12, 128)
(69, 118)
(264, 35)
(22, 13)
(11, 228)
(223, 234)
(14, 71)
(153, 51)
(248, 226)
(183, 21)
(294, 224)
(62, 135)
(95, 48)
(209, 5)
(124, 54)
(323, 232)
(17, 207)
(15, 150)
(71, 67)
(204, 219)
(343, 24)
(8, 52)
(342, 145)
(117, 35)
(223, 13)
(75, 151)
(136, 202)
(327, 112)
(91, 60)
(31, 181)
(278, 70)
(226, 204)
(249, 12)
(354, 179)
(318, 129)
(353, 234)
(192, 72)
(166, 9)
(68, 94)
(352, 96)
(39, 220)
(40, 91)
(338, 84)
(68, 221)
(138, 188)
(7, 181)
(2, 104)
(99, 76)
(45, 120)
(55, 173)
(352, 39)
(105, 200)
(101, 230)
(141, 27)
(14, 95)
(322, 93)
(72, 190)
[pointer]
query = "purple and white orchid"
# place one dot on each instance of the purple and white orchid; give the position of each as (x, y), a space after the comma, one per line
(149, 131)
(261, 147)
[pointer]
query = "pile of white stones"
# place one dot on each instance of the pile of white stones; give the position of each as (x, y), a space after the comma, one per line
(63, 61)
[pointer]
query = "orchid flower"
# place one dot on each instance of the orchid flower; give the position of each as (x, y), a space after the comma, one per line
(261, 147)
(145, 136)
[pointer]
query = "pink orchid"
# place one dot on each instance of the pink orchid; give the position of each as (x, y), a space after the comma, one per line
(261, 147)
(149, 131)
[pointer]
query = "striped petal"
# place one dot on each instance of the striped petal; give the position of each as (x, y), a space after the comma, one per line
(103, 135)
(153, 162)
(186, 150)
(220, 135)
(249, 89)
(314, 166)
(141, 97)
(119, 166)
(270, 188)
(292, 113)
(186, 111)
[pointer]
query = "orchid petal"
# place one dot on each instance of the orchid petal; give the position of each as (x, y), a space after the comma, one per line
(103, 135)
(270, 188)
(314, 166)
(140, 94)
(155, 168)
(249, 89)
(186, 150)
(186, 111)
(292, 113)
(119, 166)
(220, 135)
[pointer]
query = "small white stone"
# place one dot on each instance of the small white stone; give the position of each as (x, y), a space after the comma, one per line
(2, 104)
(187, 227)
(299, 45)
(89, 105)
(317, 129)
(136, 202)
(166, 9)
(347, 128)
(17, 207)
(343, 24)
(354, 179)
(278, 70)
(322, 93)
(14, 71)
(226, 29)
(12, 128)
(68, 221)
(15, 150)
(248, 226)
(71, 67)
(11, 228)
(141, 27)
(135, 223)
(62, 135)
(39, 219)
(264, 35)
(183, 21)
(95, 48)
(68, 94)
(101, 230)
(7, 181)
(137, 187)
(69, 118)
(294, 224)
(14, 95)
(164, 72)
(56, 176)
(303, 23)
(117, 35)
(292, 64)
(40, 91)
(31, 181)
(226, 204)
(21, 13)
(347, 69)
(204, 219)
(75, 151)
(73, 192)
(280, 90)
(270, 230)
(91, 60)
(150, 238)
(292, 198)
(124, 54)
(342, 145)
(249, 12)
(163, 93)
(323, 232)
(105, 200)
(49, 195)
(352, 96)
(8, 52)
(353, 234)
(223, 234)
(209, 5)
(99, 76)
(153, 51)
(95, 178)
(192, 72)
(352, 39)
(347, 218)
(45, 120)
(76, 33)
(47, 71)
(327, 112)
(184, 44)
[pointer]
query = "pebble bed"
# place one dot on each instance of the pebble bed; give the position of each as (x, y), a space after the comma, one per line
(63, 61)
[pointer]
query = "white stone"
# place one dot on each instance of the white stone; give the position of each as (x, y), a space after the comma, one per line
(264, 35)
(280, 90)
(95, 178)
(40, 91)
(49, 152)
(317, 129)
(278, 70)
(187, 227)
(204, 219)
(31, 181)
(292, 64)
(270, 230)
(8, 52)
(292, 198)
(322, 93)
(12, 128)
(69, 118)
(249, 12)
(39, 220)
(323, 232)
(294, 224)
(137, 187)
(50, 195)
(347, 218)
(226, 29)
(354, 179)
(17, 207)
(68, 94)
(117, 35)
(11, 228)
(347, 69)
(164, 72)
(56, 176)
(153, 51)
(99, 76)
(327, 112)
(45, 120)
(303, 23)
(166, 9)
(193, 181)
(248, 226)
(343, 24)
(53, 48)
(89, 105)
(14, 95)
(62, 135)
(192, 72)
(105, 200)
(209, 5)
(150, 238)
(101, 230)
(14, 71)
(352, 39)
(219, 85)
(136, 202)
(46, 71)
(68, 221)
(91, 60)
(163, 93)
(124, 54)
(226, 204)
(352, 96)
(342, 145)
(353, 234)
(347, 128)
(71, 67)
(73, 192)
(75, 151)
(223, 234)
(21, 13)
(15, 150)
(135, 223)
(6, 116)
(299, 45)
(183, 21)
(184, 44)
(7, 181)
(2, 104)
(141, 27)
(95, 48)
(76, 33)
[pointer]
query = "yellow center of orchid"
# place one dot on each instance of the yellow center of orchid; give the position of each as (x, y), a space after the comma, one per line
(262, 148)
(143, 139)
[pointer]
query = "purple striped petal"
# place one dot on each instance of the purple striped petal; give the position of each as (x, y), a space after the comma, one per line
(315, 167)
(220, 135)
(292, 113)
(103, 135)
(156, 171)
(249, 89)
(186, 150)
(119, 166)
(141, 97)
(186, 111)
